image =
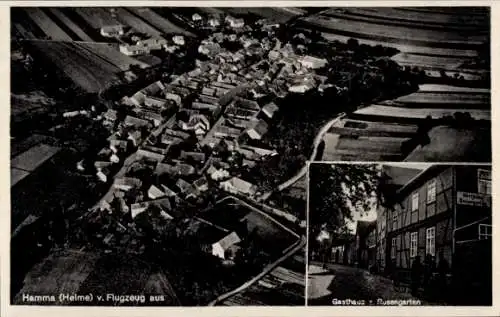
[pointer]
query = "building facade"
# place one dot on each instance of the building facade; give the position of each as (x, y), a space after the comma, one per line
(436, 213)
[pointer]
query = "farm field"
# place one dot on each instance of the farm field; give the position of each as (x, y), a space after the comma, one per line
(453, 145)
(87, 69)
(119, 274)
(379, 144)
(159, 22)
(479, 12)
(420, 113)
(34, 157)
(62, 272)
(83, 272)
(127, 18)
(70, 24)
(210, 10)
(276, 14)
(19, 146)
(457, 100)
(405, 47)
(395, 34)
(22, 31)
(96, 17)
(284, 285)
(429, 62)
(29, 103)
(353, 155)
(16, 175)
(270, 290)
(46, 24)
(435, 40)
(397, 16)
(367, 128)
(452, 89)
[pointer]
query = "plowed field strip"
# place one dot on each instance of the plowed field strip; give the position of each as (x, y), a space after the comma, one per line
(47, 25)
(70, 24)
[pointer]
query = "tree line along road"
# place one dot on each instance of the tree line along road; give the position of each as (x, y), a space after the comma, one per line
(303, 170)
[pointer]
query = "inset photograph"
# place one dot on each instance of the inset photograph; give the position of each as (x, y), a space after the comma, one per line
(399, 234)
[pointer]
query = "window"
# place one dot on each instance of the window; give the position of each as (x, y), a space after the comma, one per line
(484, 232)
(413, 244)
(394, 220)
(371, 240)
(414, 201)
(484, 181)
(393, 248)
(430, 241)
(431, 191)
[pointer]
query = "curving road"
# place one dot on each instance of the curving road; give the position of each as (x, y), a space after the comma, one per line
(303, 170)
(300, 244)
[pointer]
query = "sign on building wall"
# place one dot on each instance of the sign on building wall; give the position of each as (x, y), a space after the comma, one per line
(473, 199)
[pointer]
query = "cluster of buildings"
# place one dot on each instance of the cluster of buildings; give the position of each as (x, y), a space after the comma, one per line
(135, 44)
(178, 141)
(443, 211)
(216, 22)
(140, 46)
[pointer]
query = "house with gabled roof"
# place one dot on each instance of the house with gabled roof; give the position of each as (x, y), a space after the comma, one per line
(135, 122)
(155, 193)
(217, 174)
(270, 109)
(258, 131)
(235, 22)
(237, 185)
(135, 137)
(153, 101)
(196, 156)
(183, 185)
(226, 247)
(149, 154)
(126, 183)
(118, 145)
(163, 204)
(201, 184)
(99, 165)
(112, 30)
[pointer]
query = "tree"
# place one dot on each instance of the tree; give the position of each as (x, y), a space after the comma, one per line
(251, 257)
(336, 191)
(352, 43)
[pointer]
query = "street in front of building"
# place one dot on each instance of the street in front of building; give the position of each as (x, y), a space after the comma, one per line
(336, 284)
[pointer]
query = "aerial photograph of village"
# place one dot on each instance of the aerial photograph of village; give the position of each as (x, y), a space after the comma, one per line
(159, 155)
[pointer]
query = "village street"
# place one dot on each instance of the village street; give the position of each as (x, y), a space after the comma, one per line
(340, 282)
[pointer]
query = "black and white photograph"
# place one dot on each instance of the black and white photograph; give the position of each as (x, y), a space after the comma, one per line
(150, 154)
(138, 133)
(399, 234)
